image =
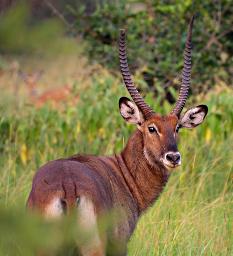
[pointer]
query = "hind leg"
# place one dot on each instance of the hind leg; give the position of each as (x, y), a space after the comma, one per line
(54, 209)
(90, 242)
(87, 221)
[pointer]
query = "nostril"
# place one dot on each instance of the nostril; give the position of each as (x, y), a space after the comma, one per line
(169, 157)
(177, 157)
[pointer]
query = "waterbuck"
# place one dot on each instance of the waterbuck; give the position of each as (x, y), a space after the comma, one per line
(130, 181)
(55, 96)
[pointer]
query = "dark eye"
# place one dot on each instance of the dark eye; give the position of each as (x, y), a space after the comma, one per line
(177, 128)
(151, 129)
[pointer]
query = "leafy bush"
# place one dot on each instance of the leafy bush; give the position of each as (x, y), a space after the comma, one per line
(156, 37)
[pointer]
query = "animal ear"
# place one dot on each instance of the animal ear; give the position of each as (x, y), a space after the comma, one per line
(194, 116)
(130, 111)
(22, 75)
(30, 78)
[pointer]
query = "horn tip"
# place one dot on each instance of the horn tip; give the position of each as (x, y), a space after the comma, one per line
(191, 27)
(194, 16)
(122, 31)
(192, 20)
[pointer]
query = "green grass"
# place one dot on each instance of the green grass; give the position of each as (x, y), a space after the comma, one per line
(193, 216)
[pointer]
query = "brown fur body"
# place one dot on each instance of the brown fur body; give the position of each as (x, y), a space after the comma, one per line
(54, 96)
(126, 180)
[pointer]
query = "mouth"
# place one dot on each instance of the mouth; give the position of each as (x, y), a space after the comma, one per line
(170, 165)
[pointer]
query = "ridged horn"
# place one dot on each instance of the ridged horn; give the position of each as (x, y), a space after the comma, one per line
(137, 98)
(186, 73)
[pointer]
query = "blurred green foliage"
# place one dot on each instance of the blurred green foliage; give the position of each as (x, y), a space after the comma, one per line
(26, 233)
(20, 34)
(156, 37)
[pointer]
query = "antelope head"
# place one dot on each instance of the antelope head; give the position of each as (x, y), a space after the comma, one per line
(160, 133)
(31, 80)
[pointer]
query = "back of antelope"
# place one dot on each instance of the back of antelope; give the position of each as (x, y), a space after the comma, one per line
(130, 181)
(54, 95)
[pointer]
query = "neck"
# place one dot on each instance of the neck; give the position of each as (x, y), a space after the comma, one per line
(145, 181)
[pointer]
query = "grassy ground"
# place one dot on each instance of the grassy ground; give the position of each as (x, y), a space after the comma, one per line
(193, 215)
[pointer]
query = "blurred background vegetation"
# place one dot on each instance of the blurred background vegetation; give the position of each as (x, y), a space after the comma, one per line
(49, 46)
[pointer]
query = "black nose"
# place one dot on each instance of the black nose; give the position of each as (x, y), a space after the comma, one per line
(173, 157)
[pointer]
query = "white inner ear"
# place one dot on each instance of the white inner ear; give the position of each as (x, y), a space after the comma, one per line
(131, 113)
(192, 118)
